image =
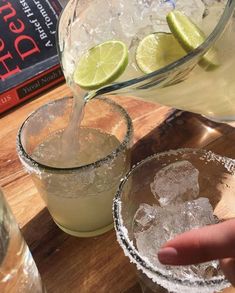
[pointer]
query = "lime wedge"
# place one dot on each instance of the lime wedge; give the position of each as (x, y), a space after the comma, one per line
(156, 51)
(189, 35)
(101, 65)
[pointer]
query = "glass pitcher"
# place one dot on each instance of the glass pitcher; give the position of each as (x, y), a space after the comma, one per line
(182, 84)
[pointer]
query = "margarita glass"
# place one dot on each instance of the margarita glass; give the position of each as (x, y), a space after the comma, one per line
(182, 83)
(216, 182)
(77, 175)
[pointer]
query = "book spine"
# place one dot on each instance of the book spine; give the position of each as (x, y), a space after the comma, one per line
(31, 88)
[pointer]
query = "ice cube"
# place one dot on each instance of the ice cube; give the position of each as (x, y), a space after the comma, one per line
(150, 16)
(145, 216)
(198, 213)
(193, 9)
(123, 19)
(176, 182)
(156, 225)
(158, 11)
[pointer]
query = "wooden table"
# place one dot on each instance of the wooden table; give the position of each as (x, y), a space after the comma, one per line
(95, 265)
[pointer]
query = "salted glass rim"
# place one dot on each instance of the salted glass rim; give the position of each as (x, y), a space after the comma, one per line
(200, 50)
(121, 230)
(23, 154)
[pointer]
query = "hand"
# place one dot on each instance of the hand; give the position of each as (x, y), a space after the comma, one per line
(201, 245)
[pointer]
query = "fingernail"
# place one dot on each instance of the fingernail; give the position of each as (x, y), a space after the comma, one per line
(167, 255)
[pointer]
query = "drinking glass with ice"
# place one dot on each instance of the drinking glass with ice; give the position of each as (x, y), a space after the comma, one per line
(168, 194)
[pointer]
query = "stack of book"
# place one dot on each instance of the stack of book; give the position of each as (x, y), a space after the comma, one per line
(29, 62)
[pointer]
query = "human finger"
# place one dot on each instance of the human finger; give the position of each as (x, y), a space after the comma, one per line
(200, 245)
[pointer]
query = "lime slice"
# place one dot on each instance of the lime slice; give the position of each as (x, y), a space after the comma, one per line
(190, 37)
(156, 51)
(101, 65)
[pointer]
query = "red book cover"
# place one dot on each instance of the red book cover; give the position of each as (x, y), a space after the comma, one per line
(29, 63)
